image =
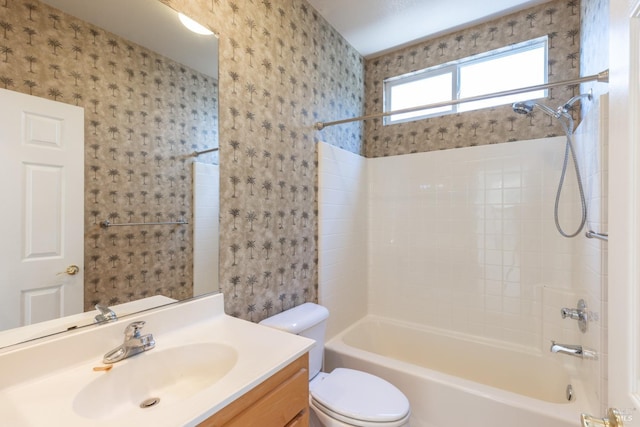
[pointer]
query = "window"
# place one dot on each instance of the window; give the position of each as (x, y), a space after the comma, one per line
(516, 66)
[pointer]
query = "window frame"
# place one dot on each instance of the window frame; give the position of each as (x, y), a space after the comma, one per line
(454, 67)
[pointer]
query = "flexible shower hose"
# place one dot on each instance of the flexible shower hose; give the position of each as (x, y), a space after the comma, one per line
(569, 149)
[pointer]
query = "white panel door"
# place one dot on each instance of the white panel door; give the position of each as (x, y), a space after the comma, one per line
(42, 218)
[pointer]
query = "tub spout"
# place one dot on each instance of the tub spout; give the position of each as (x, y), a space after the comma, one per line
(573, 350)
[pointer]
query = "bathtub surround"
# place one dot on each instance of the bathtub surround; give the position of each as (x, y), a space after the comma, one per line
(467, 238)
(559, 20)
(464, 241)
(342, 230)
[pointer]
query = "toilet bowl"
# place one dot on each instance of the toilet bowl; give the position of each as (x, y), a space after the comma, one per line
(343, 397)
(347, 397)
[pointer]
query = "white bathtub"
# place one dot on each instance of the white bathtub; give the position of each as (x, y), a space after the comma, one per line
(457, 382)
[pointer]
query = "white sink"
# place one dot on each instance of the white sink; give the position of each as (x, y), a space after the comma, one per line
(202, 361)
(154, 378)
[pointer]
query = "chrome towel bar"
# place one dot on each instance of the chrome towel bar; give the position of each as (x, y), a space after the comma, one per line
(210, 150)
(106, 223)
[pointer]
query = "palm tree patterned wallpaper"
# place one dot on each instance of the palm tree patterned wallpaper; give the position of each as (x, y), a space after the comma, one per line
(282, 68)
(144, 116)
(558, 20)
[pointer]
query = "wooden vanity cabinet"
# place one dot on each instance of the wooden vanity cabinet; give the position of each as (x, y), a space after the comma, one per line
(281, 400)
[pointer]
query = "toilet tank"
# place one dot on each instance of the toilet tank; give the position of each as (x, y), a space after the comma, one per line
(308, 320)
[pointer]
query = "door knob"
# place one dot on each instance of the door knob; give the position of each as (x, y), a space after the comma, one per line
(72, 270)
(613, 419)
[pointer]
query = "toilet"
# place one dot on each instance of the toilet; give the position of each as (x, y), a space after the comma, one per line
(344, 397)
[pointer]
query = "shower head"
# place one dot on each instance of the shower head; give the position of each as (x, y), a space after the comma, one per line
(523, 107)
(526, 107)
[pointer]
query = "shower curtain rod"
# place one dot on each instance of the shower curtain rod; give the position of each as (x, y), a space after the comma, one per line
(602, 76)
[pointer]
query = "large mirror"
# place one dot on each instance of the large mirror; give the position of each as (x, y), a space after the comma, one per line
(149, 90)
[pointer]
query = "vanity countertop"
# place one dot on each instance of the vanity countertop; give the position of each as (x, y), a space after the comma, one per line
(52, 381)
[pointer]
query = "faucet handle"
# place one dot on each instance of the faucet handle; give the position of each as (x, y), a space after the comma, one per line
(579, 313)
(133, 329)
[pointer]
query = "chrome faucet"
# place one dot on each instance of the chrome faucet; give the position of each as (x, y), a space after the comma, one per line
(105, 315)
(133, 344)
(573, 350)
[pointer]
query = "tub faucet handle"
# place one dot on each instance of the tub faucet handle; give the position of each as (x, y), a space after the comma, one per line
(579, 313)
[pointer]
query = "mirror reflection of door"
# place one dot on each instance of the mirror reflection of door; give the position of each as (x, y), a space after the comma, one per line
(43, 151)
(146, 112)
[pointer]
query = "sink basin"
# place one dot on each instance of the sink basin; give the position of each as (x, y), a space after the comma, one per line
(155, 378)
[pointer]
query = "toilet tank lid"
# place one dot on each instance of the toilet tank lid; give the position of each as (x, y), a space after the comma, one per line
(297, 319)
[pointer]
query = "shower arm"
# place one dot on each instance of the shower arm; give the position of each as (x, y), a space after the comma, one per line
(564, 109)
(602, 77)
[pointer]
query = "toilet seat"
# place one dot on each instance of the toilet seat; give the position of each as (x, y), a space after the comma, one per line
(360, 399)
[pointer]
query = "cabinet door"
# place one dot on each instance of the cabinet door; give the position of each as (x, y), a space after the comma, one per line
(279, 406)
(282, 400)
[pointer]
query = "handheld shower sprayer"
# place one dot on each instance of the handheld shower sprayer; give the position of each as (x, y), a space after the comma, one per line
(526, 107)
(563, 111)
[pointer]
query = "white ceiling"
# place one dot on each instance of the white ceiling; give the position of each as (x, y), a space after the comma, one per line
(375, 26)
(148, 23)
